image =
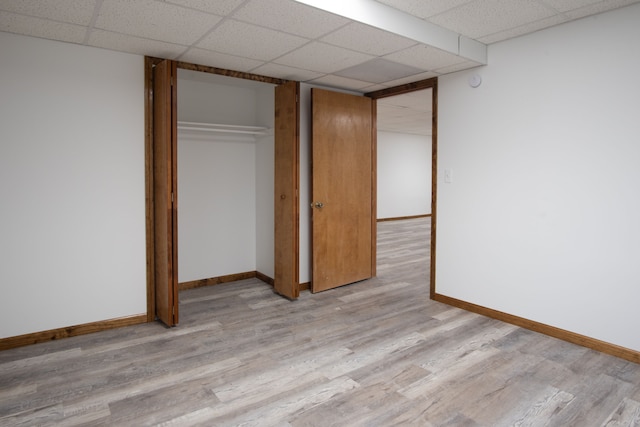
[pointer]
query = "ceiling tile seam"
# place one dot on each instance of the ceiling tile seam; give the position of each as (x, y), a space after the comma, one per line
(526, 24)
(92, 23)
(328, 44)
(266, 63)
(206, 33)
(548, 6)
(194, 9)
(213, 28)
(40, 18)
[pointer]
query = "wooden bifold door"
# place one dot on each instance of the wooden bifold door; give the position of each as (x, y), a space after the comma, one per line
(165, 192)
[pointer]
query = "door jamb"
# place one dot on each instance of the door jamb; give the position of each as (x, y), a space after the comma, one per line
(432, 84)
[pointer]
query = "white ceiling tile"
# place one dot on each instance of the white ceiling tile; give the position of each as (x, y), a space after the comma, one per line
(155, 20)
(219, 7)
(406, 115)
(373, 88)
(524, 29)
(419, 100)
(425, 57)
(466, 65)
(219, 79)
(378, 70)
(291, 17)
(219, 60)
(36, 27)
(331, 80)
(565, 5)
(287, 73)
(322, 58)
(242, 39)
(411, 79)
(366, 39)
(602, 6)
(484, 17)
(424, 9)
(132, 44)
(72, 11)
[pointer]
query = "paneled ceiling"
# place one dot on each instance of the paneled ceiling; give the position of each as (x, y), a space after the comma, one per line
(290, 40)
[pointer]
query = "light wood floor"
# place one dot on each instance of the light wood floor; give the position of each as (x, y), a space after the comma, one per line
(375, 353)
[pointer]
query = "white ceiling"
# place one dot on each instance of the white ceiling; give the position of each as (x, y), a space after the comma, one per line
(287, 39)
(407, 113)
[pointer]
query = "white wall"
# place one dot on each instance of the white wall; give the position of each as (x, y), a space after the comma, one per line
(216, 206)
(72, 185)
(541, 219)
(404, 175)
(225, 181)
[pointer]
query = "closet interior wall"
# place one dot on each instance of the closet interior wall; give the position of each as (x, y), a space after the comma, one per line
(225, 176)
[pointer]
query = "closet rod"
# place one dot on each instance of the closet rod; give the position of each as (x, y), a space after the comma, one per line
(214, 127)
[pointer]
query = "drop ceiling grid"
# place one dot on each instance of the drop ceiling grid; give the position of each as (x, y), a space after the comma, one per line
(323, 58)
(265, 44)
(220, 60)
(484, 17)
(425, 57)
(599, 7)
(218, 7)
(77, 12)
(424, 9)
(284, 38)
(43, 28)
(137, 45)
(155, 20)
(331, 80)
(290, 17)
(366, 39)
(286, 72)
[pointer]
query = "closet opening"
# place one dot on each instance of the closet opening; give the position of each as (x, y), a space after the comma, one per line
(225, 178)
(210, 179)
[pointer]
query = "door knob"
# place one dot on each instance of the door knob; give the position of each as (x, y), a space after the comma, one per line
(317, 205)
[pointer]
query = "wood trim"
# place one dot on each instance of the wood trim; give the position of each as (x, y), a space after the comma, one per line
(230, 73)
(400, 218)
(399, 90)
(149, 63)
(552, 331)
(216, 280)
(434, 187)
(212, 281)
(70, 331)
(306, 286)
(266, 279)
(374, 187)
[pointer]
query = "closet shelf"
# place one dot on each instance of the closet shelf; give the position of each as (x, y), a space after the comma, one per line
(214, 127)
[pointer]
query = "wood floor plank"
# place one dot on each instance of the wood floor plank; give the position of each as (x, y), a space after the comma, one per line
(374, 353)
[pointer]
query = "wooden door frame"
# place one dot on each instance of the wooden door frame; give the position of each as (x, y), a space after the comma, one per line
(149, 63)
(286, 135)
(432, 84)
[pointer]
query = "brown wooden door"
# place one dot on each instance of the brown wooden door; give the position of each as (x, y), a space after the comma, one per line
(165, 195)
(343, 201)
(286, 135)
